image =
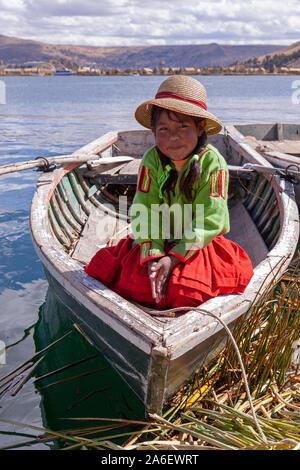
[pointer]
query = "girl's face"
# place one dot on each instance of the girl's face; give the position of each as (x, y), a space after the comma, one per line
(177, 136)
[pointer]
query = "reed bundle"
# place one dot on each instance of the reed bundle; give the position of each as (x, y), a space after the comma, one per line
(212, 410)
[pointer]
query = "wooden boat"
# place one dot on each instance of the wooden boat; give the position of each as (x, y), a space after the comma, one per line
(279, 143)
(72, 212)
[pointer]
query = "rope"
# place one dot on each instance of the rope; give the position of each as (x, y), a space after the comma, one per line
(205, 312)
(47, 165)
(111, 240)
(289, 177)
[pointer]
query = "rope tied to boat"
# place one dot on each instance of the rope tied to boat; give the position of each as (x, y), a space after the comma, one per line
(290, 177)
(244, 375)
(47, 166)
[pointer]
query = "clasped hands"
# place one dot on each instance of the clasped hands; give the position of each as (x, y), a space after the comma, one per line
(159, 273)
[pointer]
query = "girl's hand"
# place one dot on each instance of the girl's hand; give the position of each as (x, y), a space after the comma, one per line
(159, 273)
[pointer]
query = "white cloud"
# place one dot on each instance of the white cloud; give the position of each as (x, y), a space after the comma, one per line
(12, 5)
(139, 22)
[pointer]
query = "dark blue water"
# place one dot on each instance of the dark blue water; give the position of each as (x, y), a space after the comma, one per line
(55, 115)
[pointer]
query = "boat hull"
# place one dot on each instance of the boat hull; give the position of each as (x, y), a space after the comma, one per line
(125, 356)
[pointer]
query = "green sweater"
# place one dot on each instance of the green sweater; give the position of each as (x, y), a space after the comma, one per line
(189, 225)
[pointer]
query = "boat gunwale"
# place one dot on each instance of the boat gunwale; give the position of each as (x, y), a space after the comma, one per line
(179, 334)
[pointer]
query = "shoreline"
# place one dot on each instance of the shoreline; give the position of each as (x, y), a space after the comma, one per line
(45, 70)
(109, 74)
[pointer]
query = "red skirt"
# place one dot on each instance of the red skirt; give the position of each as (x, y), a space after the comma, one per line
(222, 267)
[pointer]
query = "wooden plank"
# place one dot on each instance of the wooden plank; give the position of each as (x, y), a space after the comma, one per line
(124, 174)
(101, 170)
(259, 131)
(107, 162)
(98, 230)
(131, 168)
(283, 145)
(115, 179)
(291, 131)
(105, 166)
(183, 366)
(283, 159)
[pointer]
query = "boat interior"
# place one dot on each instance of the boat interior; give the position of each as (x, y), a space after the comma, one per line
(86, 214)
(279, 137)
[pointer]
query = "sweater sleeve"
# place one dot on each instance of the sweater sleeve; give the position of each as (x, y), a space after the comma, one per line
(209, 215)
(144, 213)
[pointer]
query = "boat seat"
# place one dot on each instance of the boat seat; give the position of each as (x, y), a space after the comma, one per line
(125, 173)
(244, 232)
(291, 147)
(98, 231)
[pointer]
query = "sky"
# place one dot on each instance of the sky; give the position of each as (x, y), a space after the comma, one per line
(152, 22)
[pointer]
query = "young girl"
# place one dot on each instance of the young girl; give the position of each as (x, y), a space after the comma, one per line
(182, 172)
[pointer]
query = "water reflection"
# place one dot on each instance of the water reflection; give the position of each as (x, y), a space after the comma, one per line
(84, 385)
(20, 305)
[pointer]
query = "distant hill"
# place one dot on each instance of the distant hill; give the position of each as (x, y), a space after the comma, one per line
(17, 51)
(285, 57)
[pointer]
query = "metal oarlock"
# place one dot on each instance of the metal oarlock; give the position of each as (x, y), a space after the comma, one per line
(47, 165)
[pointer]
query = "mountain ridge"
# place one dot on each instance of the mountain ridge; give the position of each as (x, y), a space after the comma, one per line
(288, 56)
(15, 50)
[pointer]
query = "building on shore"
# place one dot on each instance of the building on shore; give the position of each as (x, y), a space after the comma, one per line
(47, 68)
(28, 68)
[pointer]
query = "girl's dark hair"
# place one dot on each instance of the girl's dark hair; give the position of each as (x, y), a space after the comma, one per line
(195, 169)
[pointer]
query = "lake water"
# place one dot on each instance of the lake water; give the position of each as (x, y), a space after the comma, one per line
(51, 116)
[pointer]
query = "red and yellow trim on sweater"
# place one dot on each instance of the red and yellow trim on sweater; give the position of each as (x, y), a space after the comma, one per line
(144, 180)
(218, 184)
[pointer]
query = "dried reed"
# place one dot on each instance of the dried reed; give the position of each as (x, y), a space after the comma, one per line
(212, 410)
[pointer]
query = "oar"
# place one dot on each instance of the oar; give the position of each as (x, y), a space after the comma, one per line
(291, 173)
(283, 157)
(61, 160)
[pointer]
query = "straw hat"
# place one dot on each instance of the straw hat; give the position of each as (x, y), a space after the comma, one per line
(181, 94)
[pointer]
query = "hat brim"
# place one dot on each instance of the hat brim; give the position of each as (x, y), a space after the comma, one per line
(144, 111)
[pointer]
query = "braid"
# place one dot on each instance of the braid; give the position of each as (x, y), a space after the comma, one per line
(195, 169)
(169, 185)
